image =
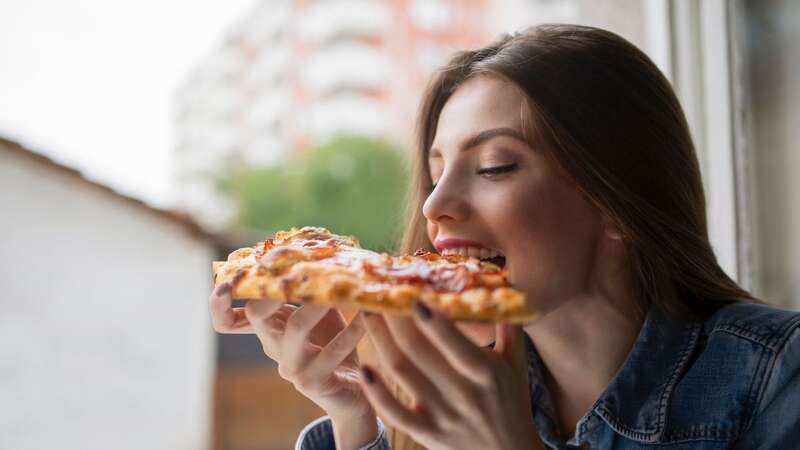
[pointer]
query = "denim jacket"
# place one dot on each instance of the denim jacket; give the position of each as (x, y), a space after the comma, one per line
(731, 382)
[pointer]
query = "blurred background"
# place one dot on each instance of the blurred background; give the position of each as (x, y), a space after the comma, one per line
(139, 141)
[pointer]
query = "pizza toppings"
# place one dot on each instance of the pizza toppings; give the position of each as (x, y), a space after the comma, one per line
(311, 264)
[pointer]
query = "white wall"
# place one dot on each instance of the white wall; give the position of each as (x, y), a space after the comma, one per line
(104, 334)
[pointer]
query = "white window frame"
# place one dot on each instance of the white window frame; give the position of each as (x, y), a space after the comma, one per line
(694, 43)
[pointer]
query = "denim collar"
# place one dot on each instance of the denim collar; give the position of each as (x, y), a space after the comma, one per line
(635, 402)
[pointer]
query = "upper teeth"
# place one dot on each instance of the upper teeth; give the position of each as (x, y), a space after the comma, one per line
(480, 253)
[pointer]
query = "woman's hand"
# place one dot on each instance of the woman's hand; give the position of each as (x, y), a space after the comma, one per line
(312, 344)
(466, 397)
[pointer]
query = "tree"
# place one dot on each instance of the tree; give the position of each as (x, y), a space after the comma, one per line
(352, 185)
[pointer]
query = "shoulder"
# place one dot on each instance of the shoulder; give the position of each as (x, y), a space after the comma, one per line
(746, 354)
(761, 324)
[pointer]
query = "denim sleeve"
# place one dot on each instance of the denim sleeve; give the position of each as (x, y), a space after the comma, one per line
(318, 435)
(776, 424)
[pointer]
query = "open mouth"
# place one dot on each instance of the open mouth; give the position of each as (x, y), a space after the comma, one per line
(497, 260)
(495, 257)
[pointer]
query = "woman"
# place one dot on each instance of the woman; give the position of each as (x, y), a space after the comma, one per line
(564, 148)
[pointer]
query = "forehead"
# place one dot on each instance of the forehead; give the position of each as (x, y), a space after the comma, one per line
(478, 104)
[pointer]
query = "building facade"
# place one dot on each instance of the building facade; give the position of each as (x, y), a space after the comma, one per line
(105, 339)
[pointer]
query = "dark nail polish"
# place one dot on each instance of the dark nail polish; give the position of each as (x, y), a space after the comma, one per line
(368, 375)
(368, 313)
(223, 289)
(423, 311)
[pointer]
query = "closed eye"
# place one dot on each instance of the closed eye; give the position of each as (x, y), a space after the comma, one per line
(491, 171)
(497, 170)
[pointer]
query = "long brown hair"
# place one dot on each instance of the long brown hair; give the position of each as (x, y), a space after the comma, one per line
(610, 120)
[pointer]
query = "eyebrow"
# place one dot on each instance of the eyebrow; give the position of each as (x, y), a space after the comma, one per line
(484, 136)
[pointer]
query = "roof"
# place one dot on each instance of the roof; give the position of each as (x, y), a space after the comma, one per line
(180, 217)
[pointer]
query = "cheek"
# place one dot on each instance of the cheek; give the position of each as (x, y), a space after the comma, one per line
(513, 209)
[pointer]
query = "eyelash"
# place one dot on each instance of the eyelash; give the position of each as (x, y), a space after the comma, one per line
(497, 169)
(492, 171)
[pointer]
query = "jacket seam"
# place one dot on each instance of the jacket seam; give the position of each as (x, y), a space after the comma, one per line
(771, 338)
(746, 334)
(788, 332)
(765, 364)
(646, 435)
(676, 371)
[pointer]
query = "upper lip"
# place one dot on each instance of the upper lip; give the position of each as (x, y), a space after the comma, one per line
(442, 244)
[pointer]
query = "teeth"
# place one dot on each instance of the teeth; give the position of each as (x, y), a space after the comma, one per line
(480, 253)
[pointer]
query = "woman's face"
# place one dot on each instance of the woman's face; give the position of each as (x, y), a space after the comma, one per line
(504, 195)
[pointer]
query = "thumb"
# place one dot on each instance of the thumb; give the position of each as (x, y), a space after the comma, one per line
(510, 343)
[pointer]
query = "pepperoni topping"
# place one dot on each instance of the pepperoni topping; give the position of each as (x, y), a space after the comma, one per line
(263, 248)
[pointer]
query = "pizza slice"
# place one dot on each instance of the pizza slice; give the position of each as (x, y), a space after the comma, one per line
(311, 264)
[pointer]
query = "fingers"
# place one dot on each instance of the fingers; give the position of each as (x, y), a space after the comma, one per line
(328, 327)
(386, 405)
(459, 351)
(268, 320)
(225, 318)
(338, 349)
(511, 345)
(295, 343)
(425, 355)
(394, 361)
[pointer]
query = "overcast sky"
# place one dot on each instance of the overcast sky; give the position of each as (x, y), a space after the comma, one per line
(90, 83)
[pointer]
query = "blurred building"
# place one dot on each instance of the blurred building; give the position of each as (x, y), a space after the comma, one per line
(106, 341)
(294, 73)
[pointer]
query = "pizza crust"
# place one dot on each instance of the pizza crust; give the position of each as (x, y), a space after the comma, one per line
(311, 264)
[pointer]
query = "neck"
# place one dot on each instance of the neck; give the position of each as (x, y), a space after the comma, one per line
(583, 344)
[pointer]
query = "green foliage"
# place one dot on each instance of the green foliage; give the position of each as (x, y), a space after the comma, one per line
(352, 185)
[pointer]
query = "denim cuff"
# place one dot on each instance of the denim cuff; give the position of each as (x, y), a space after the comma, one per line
(318, 435)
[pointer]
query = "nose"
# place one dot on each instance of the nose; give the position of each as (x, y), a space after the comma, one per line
(447, 201)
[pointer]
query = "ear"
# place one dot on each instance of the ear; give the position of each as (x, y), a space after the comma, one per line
(611, 230)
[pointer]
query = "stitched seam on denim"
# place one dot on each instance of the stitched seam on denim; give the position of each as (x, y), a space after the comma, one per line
(703, 432)
(772, 338)
(590, 424)
(745, 333)
(771, 366)
(614, 423)
(676, 371)
(648, 435)
(786, 332)
(757, 385)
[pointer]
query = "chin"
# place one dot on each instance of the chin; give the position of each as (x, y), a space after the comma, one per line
(481, 334)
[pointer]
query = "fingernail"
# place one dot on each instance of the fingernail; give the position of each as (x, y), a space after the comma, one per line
(223, 289)
(368, 375)
(422, 310)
